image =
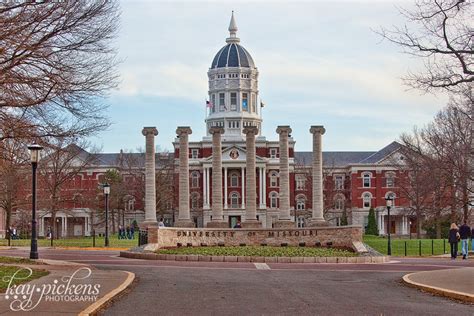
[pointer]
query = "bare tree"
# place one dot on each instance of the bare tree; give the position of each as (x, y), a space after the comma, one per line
(64, 160)
(56, 62)
(440, 33)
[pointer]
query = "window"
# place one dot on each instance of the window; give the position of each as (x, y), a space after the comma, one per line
(339, 182)
(389, 180)
(300, 182)
(233, 101)
(234, 200)
(195, 179)
(339, 204)
(234, 180)
(367, 200)
(222, 102)
(300, 203)
(366, 180)
(245, 105)
(213, 103)
(194, 201)
(300, 221)
(273, 200)
(274, 179)
(273, 152)
(131, 204)
(194, 153)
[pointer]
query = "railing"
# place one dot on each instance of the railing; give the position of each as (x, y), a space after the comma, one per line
(142, 237)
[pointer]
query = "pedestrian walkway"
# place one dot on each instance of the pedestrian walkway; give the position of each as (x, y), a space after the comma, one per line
(84, 294)
(454, 283)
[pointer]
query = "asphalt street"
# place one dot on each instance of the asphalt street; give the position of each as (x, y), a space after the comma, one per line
(207, 288)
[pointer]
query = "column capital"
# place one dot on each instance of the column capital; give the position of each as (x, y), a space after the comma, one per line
(283, 129)
(150, 130)
(183, 130)
(317, 129)
(216, 130)
(250, 130)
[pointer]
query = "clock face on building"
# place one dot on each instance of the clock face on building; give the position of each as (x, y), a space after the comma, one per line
(234, 154)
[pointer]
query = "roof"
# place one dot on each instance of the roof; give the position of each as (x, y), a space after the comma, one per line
(131, 159)
(382, 153)
(333, 158)
(232, 55)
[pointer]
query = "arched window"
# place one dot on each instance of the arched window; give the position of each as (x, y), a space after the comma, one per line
(195, 179)
(234, 180)
(273, 200)
(366, 179)
(234, 200)
(194, 201)
(367, 199)
(273, 179)
(392, 196)
(389, 179)
(300, 202)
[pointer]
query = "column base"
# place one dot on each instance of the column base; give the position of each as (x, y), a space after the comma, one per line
(318, 222)
(184, 223)
(217, 224)
(284, 224)
(251, 224)
(146, 224)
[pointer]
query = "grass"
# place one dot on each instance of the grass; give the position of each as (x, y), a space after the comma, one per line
(75, 242)
(259, 251)
(13, 260)
(428, 246)
(21, 277)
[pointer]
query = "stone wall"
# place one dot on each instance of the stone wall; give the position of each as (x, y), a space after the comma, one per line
(320, 236)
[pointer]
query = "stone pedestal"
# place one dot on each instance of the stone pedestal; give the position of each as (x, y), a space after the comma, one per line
(184, 219)
(150, 186)
(284, 195)
(317, 218)
(251, 201)
(216, 207)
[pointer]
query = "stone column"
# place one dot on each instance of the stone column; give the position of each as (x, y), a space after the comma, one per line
(225, 188)
(208, 189)
(217, 212)
(150, 186)
(242, 172)
(264, 187)
(184, 218)
(204, 187)
(317, 218)
(284, 195)
(251, 202)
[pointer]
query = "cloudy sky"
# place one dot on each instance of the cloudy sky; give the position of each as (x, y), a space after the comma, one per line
(320, 63)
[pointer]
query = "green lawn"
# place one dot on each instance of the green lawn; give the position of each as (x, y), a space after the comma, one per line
(413, 245)
(259, 251)
(8, 271)
(11, 260)
(76, 242)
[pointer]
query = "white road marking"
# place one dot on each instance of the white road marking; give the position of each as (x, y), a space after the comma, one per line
(261, 266)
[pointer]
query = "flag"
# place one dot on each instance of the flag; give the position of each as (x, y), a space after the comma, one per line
(209, 104)
(262, 104)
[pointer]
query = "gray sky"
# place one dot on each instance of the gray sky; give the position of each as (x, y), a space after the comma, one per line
(319, 62)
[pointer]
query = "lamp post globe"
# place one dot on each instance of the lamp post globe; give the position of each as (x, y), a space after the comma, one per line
(35, 150)
(106, 188)
(389, 200)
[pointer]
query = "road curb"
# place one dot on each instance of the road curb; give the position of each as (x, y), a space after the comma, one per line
(296, 260)
(92, 309)
(437, 290)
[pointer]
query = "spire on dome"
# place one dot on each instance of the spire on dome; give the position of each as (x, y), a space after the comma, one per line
(233, 31)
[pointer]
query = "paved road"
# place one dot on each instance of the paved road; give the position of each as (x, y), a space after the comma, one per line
(240, 288)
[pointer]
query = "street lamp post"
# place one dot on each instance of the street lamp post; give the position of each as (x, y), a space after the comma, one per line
(34, 151)
(106, 187)
(389, 200)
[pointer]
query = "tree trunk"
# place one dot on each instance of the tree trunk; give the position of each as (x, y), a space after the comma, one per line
(418, 224)
(438, 224)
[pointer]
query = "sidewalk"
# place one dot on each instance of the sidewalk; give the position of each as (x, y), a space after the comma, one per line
(61, 296)
(453, 283)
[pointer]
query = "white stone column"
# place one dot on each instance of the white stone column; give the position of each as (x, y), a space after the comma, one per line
(251, 202)
(382, 227)
(317, 218)
(225, 189)
(204, 187)
(150, 185)
(260, 182)
(242, 172)
(217, 209)
(284, 195)
(264, 187)
(184, 216)
(65, 226)
(379, 221)
(208, 170)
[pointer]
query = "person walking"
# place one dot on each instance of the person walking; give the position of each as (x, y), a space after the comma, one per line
(453, 240)
(128, 232)
(161, 223)
(472, 239)
(464, 233)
